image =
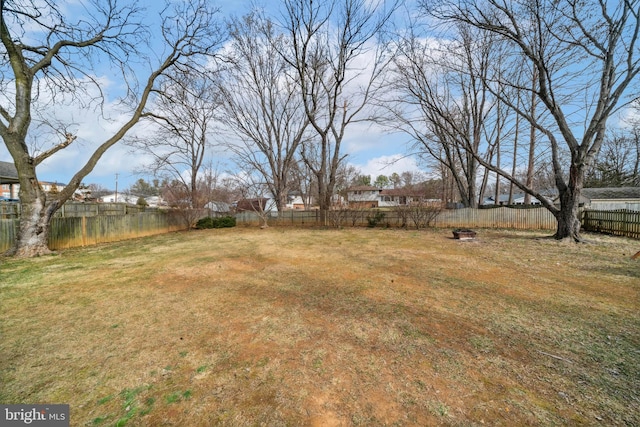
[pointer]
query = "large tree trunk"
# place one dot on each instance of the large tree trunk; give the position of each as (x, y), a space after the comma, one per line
(324, 204)
(35, 219)
(568, 221)
(568, 216)
(33, 236)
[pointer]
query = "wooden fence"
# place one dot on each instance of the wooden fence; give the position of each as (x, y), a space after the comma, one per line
(622, 222)
(538, 218)
(11, 210)
(83, 229)
(77, 227)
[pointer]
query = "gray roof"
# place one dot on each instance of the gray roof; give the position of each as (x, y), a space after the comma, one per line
(8, 173)
(611, 193)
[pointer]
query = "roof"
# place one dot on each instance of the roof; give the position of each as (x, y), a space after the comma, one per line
(8, 173)
(363, 188)
(218, 206)
(611, 193)
(257, 204)
(410, 191)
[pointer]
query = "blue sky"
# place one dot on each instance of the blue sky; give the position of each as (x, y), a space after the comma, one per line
(369, 148)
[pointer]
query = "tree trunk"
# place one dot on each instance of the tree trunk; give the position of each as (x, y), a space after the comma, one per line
(324, 204)
(568, 216)
(34, 232)
(568, 222)
(35, 219)
(532, 140)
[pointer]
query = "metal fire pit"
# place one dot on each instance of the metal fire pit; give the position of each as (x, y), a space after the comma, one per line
(464, 234)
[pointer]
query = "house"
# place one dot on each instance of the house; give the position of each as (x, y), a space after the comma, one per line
(611, 198)
(218, 208)
(296, 203)
(120, 198)
(366, 196)
(10, 186)
(406, 196)
(363, 196)
(259, 204)
(8, 181)
(155, 201)
(52, 187)
(503, 199)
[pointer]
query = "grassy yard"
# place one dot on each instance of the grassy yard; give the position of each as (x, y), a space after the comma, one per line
(372, 327)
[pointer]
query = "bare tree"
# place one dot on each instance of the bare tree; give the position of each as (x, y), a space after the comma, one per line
(184, 114)
(618, 161)
(252, 189)
(263, 104)
(58, 57)
(331, 48)
(178, 196)
(303, 182)
(443, 103)
(585, 57)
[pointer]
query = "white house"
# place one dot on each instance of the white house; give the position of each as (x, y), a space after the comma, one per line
(608, 199)
(218, 207)
(120, 198)
(503, 199)
(296, 203)
(366, 196)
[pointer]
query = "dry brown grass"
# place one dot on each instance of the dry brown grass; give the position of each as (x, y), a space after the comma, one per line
(327, 328)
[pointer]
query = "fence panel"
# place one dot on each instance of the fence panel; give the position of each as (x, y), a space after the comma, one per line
(537, 219)
(9, 210)
(80, 229)
(8, 233)
(623, 222)
(69, 232)
(503, 217)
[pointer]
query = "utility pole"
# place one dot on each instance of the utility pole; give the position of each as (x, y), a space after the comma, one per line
(116, 188)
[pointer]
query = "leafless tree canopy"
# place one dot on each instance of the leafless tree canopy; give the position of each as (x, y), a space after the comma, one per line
(46, 53)
(184, 117)
(337, 64)
(262, 104)
(584, 59)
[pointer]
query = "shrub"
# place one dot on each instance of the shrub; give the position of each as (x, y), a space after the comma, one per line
(227, 221)
(222, 222)
(206, 222)
(376, 219)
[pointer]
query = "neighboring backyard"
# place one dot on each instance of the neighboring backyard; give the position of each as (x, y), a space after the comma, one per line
(284, 326)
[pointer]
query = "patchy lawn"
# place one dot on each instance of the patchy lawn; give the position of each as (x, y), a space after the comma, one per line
(347, 327)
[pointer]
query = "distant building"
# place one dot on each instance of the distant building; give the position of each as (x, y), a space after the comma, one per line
(611, 198)
(10, 187)
(218, 208)
(367, 196)
(503, 199)
(120, 198)
(259, 204)
(8, 181)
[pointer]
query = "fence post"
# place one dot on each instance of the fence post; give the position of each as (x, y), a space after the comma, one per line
(625, 219)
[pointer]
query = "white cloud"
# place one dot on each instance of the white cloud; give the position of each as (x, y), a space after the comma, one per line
(388, 164)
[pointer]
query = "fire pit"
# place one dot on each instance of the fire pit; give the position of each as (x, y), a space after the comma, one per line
(464, 234)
